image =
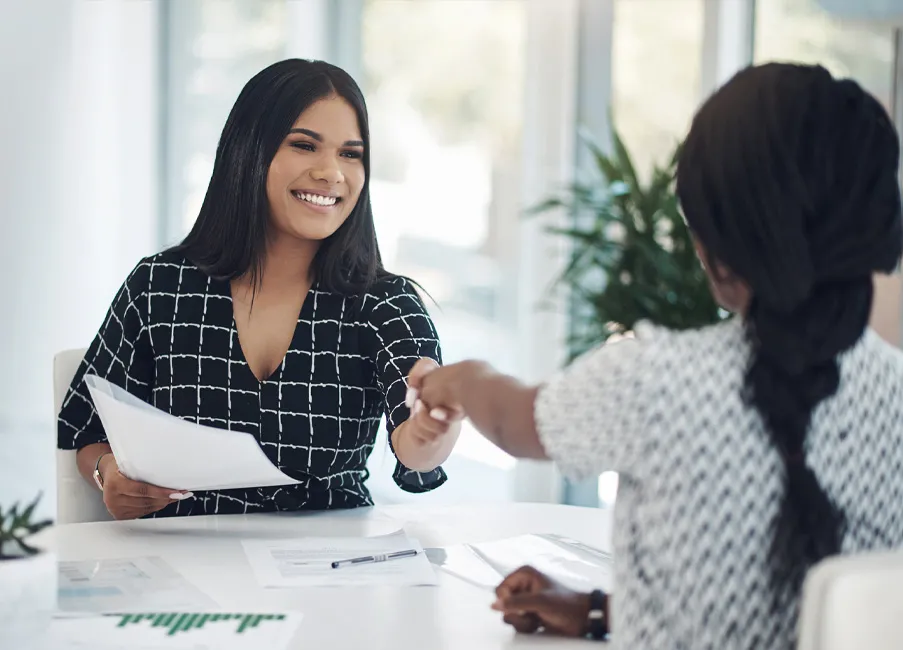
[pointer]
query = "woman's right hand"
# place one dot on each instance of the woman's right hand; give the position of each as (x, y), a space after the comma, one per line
(128, 499)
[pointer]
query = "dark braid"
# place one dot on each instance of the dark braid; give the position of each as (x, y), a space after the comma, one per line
(788, 177)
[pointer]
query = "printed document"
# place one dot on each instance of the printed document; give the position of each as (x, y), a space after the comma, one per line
(307, 562)
(125, 585)
(142, 438)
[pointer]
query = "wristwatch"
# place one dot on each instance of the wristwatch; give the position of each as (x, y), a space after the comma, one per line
(596, 618)
(97, 476)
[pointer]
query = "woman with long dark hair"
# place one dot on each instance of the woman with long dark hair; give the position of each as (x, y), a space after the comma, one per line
(749, 450)
(274, 316)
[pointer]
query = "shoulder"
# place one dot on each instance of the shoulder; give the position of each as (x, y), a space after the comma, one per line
(719, 343)
(391, 286)
(662, 350)
(169, 272)
(393, 293)
(873, 364)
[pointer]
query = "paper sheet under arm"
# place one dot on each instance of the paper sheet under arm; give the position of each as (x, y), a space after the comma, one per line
(144, 440)
(574, 564)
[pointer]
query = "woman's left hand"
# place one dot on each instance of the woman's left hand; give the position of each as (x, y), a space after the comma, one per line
(531, 600)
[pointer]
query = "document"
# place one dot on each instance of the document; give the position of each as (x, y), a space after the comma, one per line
(142, 438)
(165, 630)
(572, 563)
(126, 585)
(307, 562)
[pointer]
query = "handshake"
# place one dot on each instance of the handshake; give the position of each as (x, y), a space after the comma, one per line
(437, 396)
(440, 397)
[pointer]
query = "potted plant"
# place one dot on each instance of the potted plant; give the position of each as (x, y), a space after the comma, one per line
(28, 579)
(632, 258)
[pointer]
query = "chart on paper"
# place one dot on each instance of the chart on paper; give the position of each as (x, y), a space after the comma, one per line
(175, 630)
(126, 585)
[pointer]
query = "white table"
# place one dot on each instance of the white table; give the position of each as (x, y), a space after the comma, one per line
(207, 551)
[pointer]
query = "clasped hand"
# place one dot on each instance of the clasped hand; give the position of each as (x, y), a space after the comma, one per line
(433, 413)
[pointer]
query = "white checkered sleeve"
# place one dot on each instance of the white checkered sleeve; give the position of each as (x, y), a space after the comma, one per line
(121, 353)
(590, 415)
(404, 333)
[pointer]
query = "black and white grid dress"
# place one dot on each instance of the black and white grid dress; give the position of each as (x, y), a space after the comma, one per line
(701, 485)
(170, 338)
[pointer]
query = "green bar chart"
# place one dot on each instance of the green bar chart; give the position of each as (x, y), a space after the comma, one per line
(177, 622)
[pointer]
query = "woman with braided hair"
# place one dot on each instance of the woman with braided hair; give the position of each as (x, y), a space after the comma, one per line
(752, 449)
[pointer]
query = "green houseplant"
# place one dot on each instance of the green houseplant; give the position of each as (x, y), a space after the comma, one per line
(16, 527)
(28, 576)
(632, 258)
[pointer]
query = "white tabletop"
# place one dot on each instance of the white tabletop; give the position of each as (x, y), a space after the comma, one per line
(208, 552)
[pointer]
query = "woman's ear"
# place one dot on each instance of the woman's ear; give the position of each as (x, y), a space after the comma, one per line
(730, 291)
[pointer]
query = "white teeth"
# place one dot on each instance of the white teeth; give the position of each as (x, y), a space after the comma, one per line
(316, 199)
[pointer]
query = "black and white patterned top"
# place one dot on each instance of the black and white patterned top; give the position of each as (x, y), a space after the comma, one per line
(170, 339)
(700, 484)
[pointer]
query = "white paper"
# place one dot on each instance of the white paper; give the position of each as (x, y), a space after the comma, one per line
(143, 439)
(167, 631)
(126, 585)
(570, 562)
(462, 562)
(306, 562)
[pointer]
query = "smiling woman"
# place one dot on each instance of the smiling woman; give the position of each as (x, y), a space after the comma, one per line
(274, 316)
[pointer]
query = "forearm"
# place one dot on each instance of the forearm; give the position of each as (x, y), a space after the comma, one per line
(419, 455)
(86, 459)
(501, 408)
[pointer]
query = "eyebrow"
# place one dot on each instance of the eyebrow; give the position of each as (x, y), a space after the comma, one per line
(319, 138)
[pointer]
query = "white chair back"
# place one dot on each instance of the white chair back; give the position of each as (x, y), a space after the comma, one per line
(76, 500)
(853, 602)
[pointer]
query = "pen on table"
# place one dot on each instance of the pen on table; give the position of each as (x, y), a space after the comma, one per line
(368, 559)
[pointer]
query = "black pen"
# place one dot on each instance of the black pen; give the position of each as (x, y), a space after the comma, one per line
(369, 559)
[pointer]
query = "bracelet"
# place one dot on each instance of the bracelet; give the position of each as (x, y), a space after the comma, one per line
(97, 476)
(596, 618)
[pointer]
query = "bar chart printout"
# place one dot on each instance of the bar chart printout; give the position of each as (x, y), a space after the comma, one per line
(175, 630)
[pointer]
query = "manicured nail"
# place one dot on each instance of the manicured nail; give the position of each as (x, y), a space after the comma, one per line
(410, 397)
(439, 414)
(418, 406)
(178, 496)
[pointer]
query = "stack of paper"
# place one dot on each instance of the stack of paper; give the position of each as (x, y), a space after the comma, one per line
(174, 631)
(572, 563)
(142, 438)
(307, 562)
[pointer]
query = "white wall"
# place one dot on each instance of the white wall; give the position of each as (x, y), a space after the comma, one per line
(78, 173)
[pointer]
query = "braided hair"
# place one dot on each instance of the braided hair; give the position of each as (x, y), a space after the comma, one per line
(789, 178)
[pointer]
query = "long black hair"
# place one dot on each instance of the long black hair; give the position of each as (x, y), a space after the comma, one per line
(228, 239)
(788, 177)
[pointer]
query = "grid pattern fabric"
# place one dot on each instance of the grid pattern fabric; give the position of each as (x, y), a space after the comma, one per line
(701, 486)
(170, 338)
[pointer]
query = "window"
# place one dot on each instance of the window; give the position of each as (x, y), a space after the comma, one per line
(657, 67)
(444, 81)
(214, 48)
(656, 78)
(801, 30)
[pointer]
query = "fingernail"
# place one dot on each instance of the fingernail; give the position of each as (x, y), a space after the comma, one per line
(410, 397)
(439, 414)
(418, 406)
(178, 496)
